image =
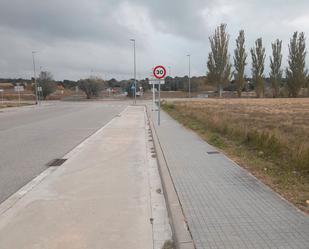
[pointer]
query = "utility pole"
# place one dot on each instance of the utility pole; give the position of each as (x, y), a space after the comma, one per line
(189, 56)
(35, 83)
(133, 40)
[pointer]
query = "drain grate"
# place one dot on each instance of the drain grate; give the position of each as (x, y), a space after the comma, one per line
(56, 162)
(213, 152)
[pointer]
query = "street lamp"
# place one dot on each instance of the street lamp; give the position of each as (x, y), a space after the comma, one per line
(35, 83)
(133, 40)
(189, 56)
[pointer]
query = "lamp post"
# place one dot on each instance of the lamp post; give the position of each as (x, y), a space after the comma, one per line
(133, 40)
(35, 83)
(189, 56)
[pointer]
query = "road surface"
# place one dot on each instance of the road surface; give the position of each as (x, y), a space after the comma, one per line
(103, 196)
(30, 137)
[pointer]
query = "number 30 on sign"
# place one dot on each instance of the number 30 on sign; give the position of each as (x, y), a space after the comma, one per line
(159, 72)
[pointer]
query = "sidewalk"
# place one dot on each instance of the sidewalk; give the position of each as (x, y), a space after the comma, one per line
(102, 197)
(224, 205)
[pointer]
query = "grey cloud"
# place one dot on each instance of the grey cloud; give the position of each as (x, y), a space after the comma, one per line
(51, 20)
(74, 36)
(181, 18)
(94, 19)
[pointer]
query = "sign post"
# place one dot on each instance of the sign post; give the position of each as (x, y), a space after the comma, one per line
(153, 96)
(40, 94)
(159, 104)
(19, 89)
(152, 82)
(159, 72)
(133, 89)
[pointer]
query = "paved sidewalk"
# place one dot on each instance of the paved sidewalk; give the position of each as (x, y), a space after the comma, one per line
(102, 197)
(225, 206)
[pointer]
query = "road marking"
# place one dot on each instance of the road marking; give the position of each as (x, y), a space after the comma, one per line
(14, 198)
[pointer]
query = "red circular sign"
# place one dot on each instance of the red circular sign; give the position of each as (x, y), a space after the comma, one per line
(159, 72)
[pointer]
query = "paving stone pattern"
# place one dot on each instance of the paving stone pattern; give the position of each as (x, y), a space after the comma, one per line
(226, 207)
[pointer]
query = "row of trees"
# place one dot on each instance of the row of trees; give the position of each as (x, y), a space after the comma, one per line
(220, 67)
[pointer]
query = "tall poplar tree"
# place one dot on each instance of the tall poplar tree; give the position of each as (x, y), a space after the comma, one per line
(296, 73)
(258, 60)
(240, 57)
(275, 67)
(219, 66)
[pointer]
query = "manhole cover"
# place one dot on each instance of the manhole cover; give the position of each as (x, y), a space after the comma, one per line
(213, 152)
(56, 162)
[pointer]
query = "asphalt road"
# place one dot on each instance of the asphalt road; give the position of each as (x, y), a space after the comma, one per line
(32, 136)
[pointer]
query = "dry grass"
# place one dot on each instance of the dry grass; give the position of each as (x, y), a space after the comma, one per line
(6, 105)
(270, 137)
(170, 94)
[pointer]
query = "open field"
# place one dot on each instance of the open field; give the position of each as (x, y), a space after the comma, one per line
(269, 137)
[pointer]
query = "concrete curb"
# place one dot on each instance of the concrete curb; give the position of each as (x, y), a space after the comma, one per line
(181, 233)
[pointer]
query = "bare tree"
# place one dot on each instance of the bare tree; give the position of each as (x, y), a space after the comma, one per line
(240, 57)
(219, 66)
(258, 60)
(296, 73)
(47, 84)
(275, 67)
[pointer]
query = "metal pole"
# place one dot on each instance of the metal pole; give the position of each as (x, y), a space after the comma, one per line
(19, 97)
(134, 74)
(35, 84)
(153, 97)
(133, 40)
(189, 75)
(40, 92)
(159, 103)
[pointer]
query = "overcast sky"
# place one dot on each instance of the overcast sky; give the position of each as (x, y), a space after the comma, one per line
(76, 38)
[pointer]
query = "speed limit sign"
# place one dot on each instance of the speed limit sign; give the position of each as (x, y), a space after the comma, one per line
(159, 72)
